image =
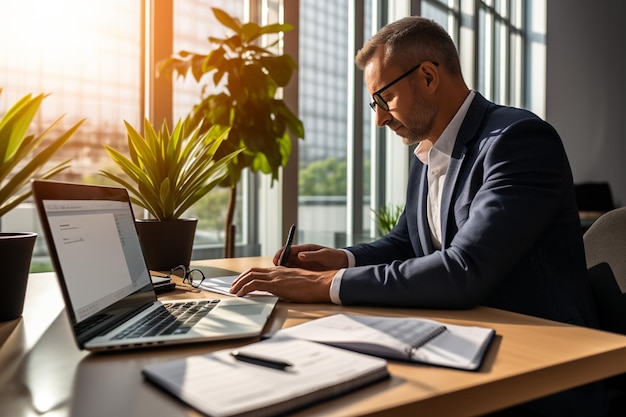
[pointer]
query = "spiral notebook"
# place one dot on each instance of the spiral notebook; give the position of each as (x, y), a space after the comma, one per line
(401, 338)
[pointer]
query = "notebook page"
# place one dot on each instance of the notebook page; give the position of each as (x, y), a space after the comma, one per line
(404, 338)
(461, 347)
(219, 385)
(386, 336)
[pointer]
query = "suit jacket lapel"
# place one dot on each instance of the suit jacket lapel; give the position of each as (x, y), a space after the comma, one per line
(446, 196)
(423, 228)
(468, 131)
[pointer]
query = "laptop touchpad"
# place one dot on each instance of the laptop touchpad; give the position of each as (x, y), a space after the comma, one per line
(246, 310)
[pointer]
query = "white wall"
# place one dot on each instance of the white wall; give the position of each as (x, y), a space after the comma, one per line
(586, 87)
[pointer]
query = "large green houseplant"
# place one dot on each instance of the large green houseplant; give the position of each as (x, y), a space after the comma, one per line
(247, 78)
(166, 172)
(23, 156)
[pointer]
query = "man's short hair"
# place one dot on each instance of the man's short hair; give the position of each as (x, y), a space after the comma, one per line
(412, 40)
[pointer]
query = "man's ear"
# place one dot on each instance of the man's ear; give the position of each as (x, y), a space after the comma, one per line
(431, 74)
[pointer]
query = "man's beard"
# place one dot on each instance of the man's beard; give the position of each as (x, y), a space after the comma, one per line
(420, 123)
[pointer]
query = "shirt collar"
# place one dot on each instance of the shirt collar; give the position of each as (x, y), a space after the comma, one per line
(445, 142)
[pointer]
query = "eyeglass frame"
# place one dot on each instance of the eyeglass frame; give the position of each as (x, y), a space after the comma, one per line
(187, 274)
(380, 101)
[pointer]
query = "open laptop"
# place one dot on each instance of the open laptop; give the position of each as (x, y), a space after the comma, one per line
(106, 285)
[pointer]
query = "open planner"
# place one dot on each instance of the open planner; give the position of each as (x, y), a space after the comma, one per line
(220, 385)
(401, 338)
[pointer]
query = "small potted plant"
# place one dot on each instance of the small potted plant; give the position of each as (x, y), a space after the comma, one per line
(387, 217)
(166, 173)
(23, 156)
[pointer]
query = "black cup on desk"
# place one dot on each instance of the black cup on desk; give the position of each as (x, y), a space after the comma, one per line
(16, 250)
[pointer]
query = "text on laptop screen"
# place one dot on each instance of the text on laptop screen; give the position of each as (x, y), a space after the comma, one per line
(96, 241)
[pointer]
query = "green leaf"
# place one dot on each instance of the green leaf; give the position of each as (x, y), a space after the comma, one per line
(168, 171)
(276, 28)
(226, 20)
(257, 83)
(234, 42)
(213, 59)
(295, 125)
(387, 217)
(249, 32)
(280, 68)
(240, 90)
(23, 156)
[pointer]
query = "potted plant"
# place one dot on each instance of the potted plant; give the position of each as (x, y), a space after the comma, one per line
(247, 102)
(166, 173)
(387, 217)
(23, 156)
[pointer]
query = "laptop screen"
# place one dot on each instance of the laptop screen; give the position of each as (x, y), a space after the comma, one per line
(95, 249)
(98, 251)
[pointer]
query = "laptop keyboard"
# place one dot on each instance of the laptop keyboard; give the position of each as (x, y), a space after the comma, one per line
(91, 322)
(170, 318)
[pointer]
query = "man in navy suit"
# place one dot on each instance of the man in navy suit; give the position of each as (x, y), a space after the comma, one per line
(490, 215)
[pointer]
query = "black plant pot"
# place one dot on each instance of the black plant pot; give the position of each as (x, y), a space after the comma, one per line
(16, 251)
(166, 244)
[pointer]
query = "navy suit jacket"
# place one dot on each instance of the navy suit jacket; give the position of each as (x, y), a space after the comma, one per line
(511, 234)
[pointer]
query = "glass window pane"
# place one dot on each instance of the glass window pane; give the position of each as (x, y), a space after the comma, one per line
(194, 22)
(516, 71)
(86, 55)
(485, 54)
(323, 95)
(368, 153)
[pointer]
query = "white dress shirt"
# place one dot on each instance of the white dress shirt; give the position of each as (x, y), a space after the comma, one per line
(437, 158)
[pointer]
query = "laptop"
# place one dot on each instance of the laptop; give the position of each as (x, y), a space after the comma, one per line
(106, 285)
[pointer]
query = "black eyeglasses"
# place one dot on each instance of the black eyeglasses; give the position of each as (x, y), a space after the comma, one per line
(379, 100)
(193, 277)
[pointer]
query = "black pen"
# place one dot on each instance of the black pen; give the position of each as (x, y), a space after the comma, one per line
(262, 361)
(285, 255)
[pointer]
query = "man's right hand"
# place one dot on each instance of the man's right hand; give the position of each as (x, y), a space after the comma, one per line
(314, 258)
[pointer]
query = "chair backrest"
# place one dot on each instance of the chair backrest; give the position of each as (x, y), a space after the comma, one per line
(605, 251)
(594, 196)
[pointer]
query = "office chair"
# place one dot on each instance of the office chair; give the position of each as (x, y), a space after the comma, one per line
(594, 196)
(605, 251)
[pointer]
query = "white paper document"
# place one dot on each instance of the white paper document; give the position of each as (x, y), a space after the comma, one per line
(221, 285)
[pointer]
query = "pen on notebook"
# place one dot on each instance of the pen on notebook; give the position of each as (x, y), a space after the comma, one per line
(285, 255)
(262, 361)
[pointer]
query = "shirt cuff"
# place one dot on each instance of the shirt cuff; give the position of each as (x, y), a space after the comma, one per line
(335, 285)
(351, 258)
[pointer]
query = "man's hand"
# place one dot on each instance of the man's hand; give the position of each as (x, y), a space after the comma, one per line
(294, 284)
(314, 258)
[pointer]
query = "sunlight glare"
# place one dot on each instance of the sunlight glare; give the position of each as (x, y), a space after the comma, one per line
(62, 36)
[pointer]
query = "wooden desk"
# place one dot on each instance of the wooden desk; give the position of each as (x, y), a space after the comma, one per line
(587, 218)
(42, 371)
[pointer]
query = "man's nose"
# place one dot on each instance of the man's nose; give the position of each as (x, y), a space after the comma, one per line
(383, 118)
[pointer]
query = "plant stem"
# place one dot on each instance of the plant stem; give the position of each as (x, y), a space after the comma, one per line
(229, 245)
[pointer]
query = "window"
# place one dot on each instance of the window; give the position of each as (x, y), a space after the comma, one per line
(501, 44)
(501, 51)
(194, 22)
(89, 56)
(347, 166)
(323, 101)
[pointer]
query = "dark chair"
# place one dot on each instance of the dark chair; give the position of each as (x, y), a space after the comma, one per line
(605, 251)
(594, 196)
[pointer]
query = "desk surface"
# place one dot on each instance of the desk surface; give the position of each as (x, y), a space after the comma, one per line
(42, 371)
